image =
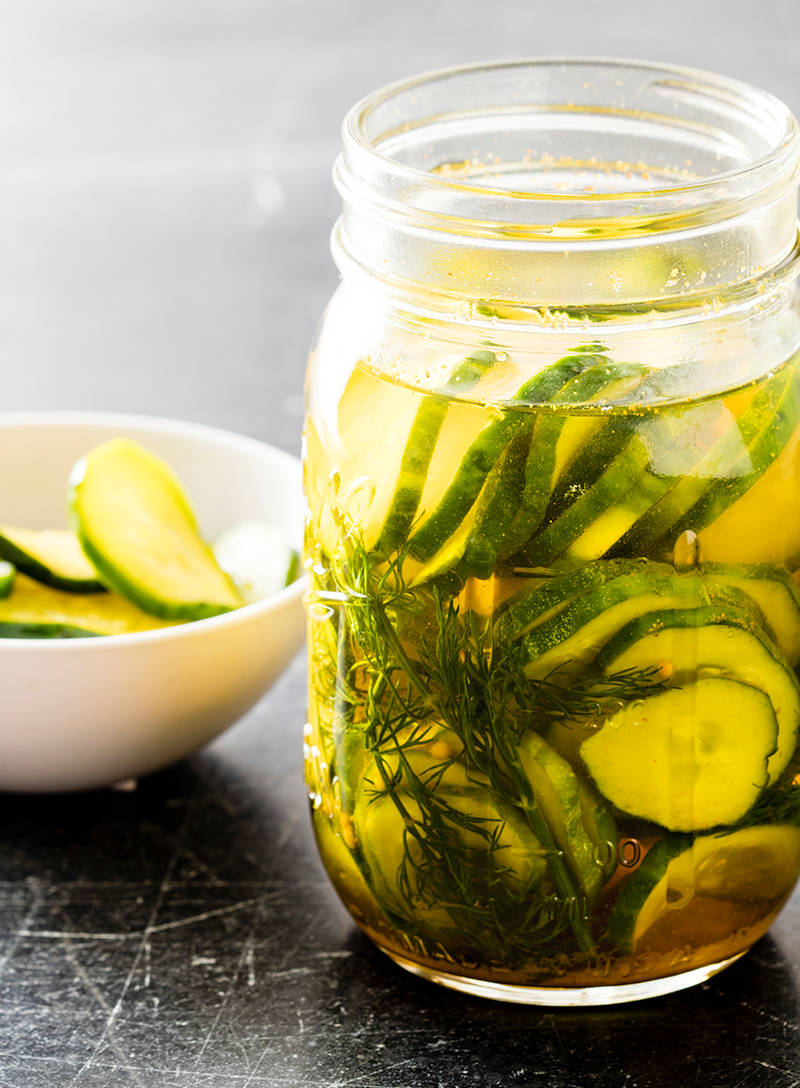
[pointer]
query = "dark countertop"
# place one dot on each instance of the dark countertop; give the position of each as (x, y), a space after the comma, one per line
(184, 936)
(163, 248)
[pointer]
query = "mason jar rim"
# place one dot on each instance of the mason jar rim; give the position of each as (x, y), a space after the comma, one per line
(557, 181)
(784, 151)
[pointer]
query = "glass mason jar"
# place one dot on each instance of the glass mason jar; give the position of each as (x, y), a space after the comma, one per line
(552, 470)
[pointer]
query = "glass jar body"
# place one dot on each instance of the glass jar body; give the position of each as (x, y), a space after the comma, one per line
(554, 630)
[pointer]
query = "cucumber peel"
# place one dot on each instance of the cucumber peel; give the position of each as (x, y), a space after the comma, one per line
(7, 574)
(557, 440)
(570, 640)
(570, 809)
(554, 594)
(753, 865)
(420, 445)
(33, 610)
(51, 556)
(258, 559)
(484, 452)
(775, 593)
(135, 524)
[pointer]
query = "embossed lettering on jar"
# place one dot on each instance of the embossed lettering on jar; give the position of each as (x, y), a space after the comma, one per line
(553, 473)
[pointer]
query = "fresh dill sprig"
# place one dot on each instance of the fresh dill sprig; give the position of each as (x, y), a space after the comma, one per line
(778, 805)
(408, 656)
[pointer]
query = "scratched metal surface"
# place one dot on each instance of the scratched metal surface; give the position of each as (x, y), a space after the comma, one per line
(164, 212)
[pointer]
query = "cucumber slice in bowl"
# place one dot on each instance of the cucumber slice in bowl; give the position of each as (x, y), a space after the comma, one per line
(755, 867)
(51, 556)
(135, 524)
(7, 574)
(33, 610)
(258, 559)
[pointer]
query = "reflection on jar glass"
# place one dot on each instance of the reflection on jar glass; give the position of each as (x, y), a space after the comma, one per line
(552, 468)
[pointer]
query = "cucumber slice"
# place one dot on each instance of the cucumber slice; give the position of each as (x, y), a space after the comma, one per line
(558, 438)
(388, 830)
(756, 865)
(548, 598)
(585, 469)
(764, 447)
(716, 641)
(598, 517)
(689, 758)
(744, 450)
(566, 644)
(483, 454)
(737, 534)
(420, 446)
(774, 591)
(34, 610)
(135, 524)
(258, 559)
(570, 810)
(51, 556)
(7, 573)
(494, 521)
(660, 471)
(43, 630)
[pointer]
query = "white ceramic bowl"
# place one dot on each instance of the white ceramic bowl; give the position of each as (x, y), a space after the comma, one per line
(78, 713)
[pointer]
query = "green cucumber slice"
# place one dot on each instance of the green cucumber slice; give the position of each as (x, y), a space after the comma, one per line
(558, 438)
(389, 830)
(585, 469)
(51, 556)
(743, 452)
(568, 642)
(548, 598)
(43, 630)
(7, 573)
(753, 865)
(689, 758)
(718, 641)
(598, 517)
(764, 449)
(661, 469)
(420, 446)
(258, 558)
(440, 524)
(490, 528)
(34, 610)
(135, 524)
(571, 811)
(775, 593)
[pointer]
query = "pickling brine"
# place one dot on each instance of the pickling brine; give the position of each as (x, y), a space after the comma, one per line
(554, 632)
(553, 691)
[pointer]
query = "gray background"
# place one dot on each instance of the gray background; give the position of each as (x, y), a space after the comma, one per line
(165, 200)
(165, 206)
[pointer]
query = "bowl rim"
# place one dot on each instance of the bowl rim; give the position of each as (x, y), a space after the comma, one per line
(161, 425)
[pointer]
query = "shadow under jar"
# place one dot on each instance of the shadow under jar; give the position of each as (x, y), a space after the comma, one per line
(552, 470)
